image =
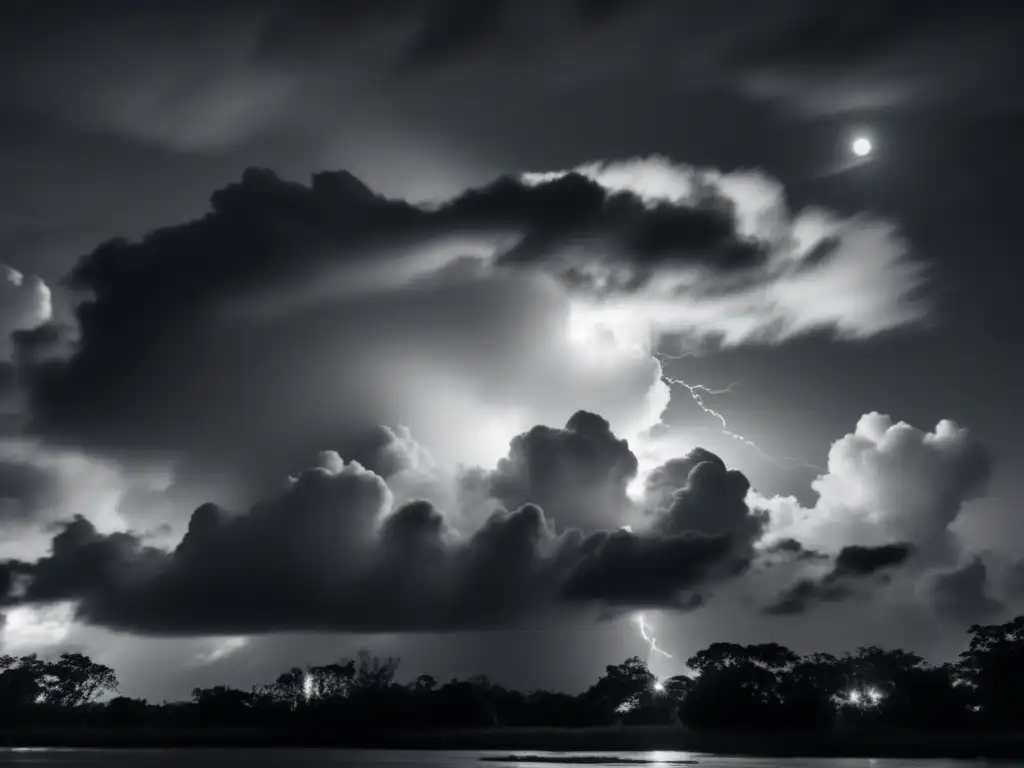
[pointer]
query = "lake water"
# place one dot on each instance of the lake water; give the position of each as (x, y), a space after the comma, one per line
(344, 758)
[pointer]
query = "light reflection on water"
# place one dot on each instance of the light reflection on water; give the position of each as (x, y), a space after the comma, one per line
(328, 758)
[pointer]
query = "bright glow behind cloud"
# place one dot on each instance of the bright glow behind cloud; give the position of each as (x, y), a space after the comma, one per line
(25, 302)
(852, 277)
(30, 628)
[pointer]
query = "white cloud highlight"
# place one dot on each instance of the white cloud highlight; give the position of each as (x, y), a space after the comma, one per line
(25, 303)
(886, 482)
(852, 277)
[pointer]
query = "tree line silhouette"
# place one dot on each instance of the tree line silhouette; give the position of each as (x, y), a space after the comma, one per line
(731, 687)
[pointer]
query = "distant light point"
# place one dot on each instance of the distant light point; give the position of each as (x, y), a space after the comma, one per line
(861, 146)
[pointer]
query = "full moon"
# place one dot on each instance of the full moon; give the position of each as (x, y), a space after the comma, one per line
(861, 146)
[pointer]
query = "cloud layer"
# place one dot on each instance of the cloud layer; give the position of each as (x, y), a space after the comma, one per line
(220, 77)
(295, 316)
(332, 551)
(513, 304)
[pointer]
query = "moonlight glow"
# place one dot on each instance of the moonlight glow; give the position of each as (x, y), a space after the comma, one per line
(861, 146)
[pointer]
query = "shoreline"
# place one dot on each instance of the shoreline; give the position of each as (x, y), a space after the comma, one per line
(608, 739)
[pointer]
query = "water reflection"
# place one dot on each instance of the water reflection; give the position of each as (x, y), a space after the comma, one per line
(324, 758)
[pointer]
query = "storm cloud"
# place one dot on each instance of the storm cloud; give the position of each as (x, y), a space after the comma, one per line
(330, 551)
(578, 474)
(853, 564)
(515, 303)
(963, 592)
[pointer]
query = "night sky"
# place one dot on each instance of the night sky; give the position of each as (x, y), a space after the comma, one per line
(464, 331)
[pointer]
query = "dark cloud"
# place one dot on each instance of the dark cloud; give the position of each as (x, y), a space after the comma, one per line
(856, 561)
(25, 488)
(9, 405)
(794, 550)
(806, 592)
(578, 474)
(853, 563)
(241, 244)
(623, 569)
(699, 493)
(963, 592)
(186, 334)
(328, 553)
(1014, 579)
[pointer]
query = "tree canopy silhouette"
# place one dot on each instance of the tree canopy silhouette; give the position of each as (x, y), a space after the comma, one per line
(729, 687)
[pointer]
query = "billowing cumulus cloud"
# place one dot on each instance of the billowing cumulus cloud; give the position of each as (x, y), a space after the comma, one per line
(489, 347)
(331, 551)
(697, 492)
(294, 316)
(888, 482)
(578, 474)
(335, 550)
(885, 513)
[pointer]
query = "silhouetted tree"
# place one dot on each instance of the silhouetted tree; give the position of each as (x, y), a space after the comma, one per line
(619, 689)
(332, 681)
(677, 687)
(125, 711)
(288, 690)
(21, 682)
(734, 686)
(808, 690)
(375, 674)
(222, 705)
(75, 679)
(992, 668)
(424, 683)
(737, 685)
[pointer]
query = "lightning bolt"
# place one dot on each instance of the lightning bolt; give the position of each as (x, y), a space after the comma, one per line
(652, 643)
(697, 392)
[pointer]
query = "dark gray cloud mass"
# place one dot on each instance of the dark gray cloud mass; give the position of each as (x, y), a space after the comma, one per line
(328, 552)
(174, 353)
(578, 474)
(853, 564)
(698, 492)
(332, 551)
(24, 487)
(963, 592)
